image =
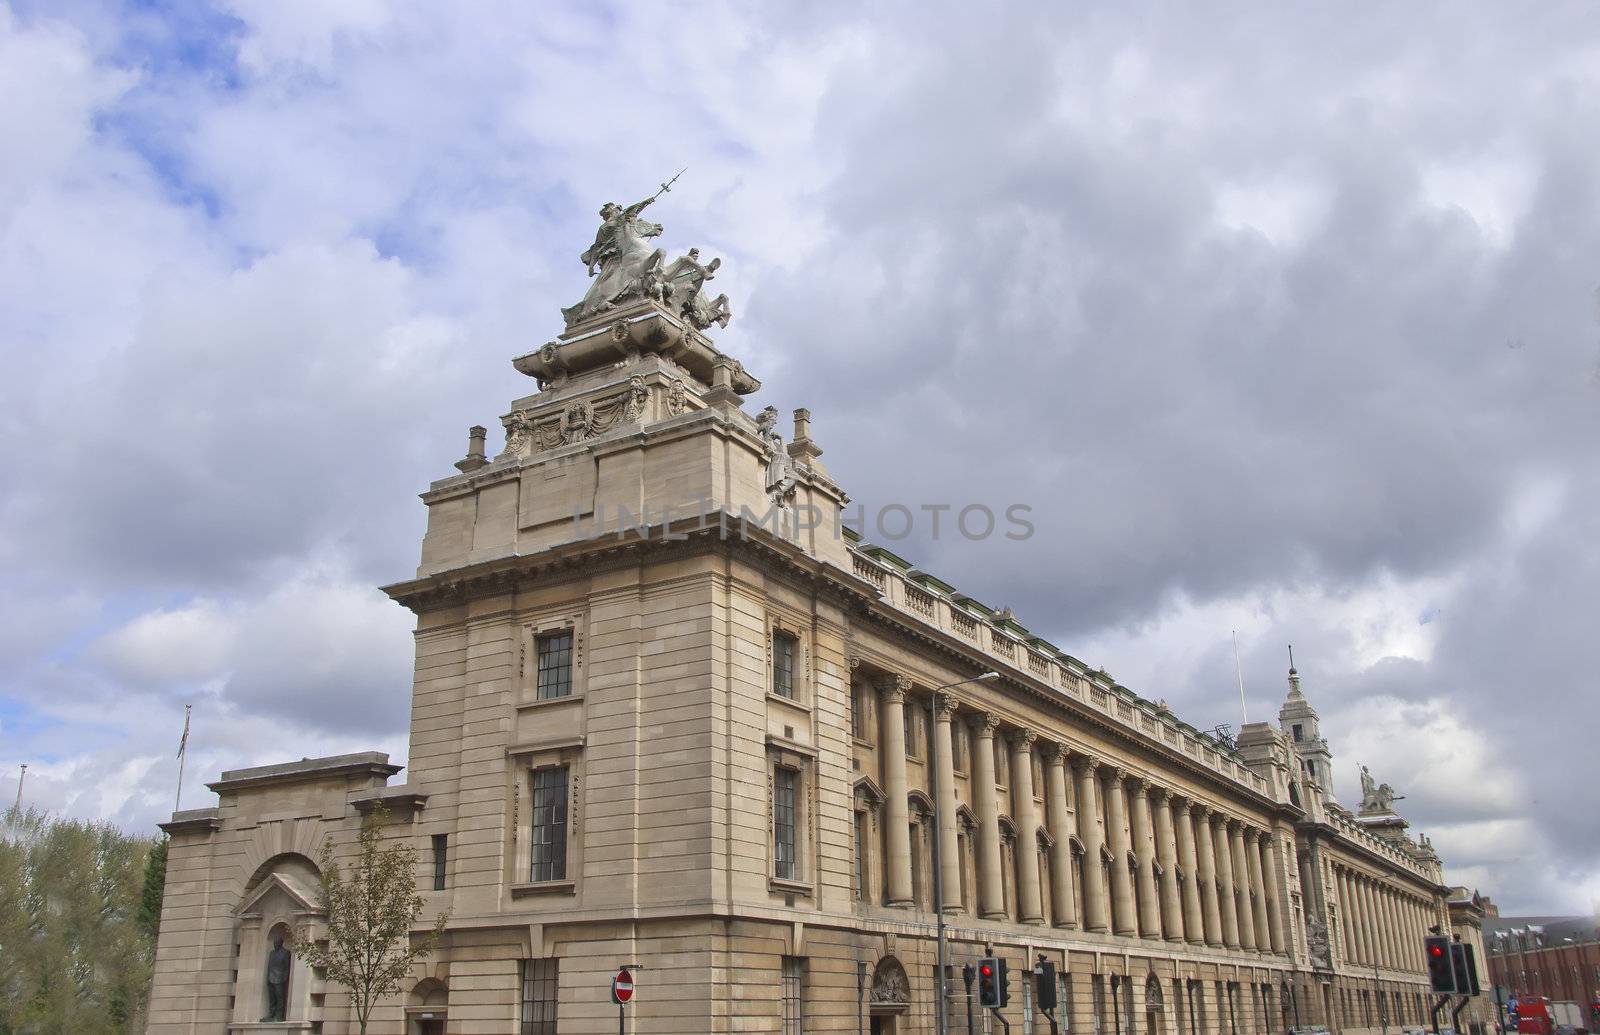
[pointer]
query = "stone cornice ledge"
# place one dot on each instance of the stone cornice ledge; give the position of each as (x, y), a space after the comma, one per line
(403, 797)
(370, 764)
(193, 821)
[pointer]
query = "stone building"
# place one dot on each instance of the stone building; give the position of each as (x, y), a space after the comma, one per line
(668, 712)
(1557, 957)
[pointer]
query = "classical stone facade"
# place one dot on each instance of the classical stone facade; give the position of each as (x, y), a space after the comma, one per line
(667, 713)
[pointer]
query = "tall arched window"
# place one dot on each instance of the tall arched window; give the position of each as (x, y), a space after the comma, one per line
(1008, 868)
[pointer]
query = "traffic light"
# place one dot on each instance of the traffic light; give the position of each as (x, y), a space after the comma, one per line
(989, 983)
(1441, 973)
(1472, 970)
(1461, 970)
(1004, 982)
(1044, 985)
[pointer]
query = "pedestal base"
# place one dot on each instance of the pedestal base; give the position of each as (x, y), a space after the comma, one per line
(268, 1027)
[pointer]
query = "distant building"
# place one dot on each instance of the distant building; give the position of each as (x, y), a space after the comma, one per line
(1553, 956)
(666, 713)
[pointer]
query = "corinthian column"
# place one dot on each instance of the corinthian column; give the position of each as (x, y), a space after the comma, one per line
(1241, 877)
(1194, 927)
(896, 817)
(1122, 918)
(1391, 927)
(1226, 896)
(1094, 884)
(1144, 851)
(991, 898)
(1347, 916)
(1369, 936)
(1269, 854)
(1055, 782)
(1029, 902)
(1167, 855)
(949, 854)
(1252, 856)
(1209, 895)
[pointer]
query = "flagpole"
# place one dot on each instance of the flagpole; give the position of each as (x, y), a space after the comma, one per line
(21, 777)
(183, 748)
(1239, 674)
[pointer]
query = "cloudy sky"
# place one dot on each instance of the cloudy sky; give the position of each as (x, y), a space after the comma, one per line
(1282, 321)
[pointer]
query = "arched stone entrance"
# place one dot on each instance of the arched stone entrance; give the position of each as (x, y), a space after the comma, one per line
(1155, 1007)
(889, 999)
(281, 904)
(427, 1008)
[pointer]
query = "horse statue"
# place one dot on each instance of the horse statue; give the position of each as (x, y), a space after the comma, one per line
(624, 265)
(619, 260)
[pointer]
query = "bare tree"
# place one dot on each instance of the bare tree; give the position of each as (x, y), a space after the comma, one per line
(372, 906)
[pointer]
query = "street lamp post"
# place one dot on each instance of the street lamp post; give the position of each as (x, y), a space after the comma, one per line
(941, 1021)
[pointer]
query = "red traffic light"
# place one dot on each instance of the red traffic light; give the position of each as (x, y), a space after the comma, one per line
(1435, 951)
(984, 970)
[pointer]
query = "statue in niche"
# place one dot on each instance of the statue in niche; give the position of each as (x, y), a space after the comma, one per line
(624, 265)
(278, 964)
(1317, 946)
(780, 465)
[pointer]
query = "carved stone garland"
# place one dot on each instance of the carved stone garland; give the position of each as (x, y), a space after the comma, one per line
(580, 420)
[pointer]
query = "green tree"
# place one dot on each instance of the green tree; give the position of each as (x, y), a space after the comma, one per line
(372, 906)
(155, 889)
(73, 959)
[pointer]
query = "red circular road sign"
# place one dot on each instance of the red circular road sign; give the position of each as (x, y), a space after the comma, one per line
(622, 987)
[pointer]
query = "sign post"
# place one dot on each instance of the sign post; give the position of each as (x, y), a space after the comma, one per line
(622, 995)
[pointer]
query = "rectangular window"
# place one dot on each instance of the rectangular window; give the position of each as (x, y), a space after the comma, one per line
(555, 666)
(794, 983)
(784, 783)
(911, 733)
(441, 851)
(861, 856)
(916, 864)
(549, 824)
(783, 654)
(958, 748)
(855, 713)
(540, 988)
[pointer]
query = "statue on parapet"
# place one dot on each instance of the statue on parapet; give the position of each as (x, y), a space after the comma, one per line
(781, 480)
(1377, 797)
(624, 265)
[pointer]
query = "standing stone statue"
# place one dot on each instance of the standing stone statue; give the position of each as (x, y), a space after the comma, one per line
(278, 962)
(781, 479)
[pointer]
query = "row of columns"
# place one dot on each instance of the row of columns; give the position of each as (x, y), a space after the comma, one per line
(1231, 896)
(1383, 925)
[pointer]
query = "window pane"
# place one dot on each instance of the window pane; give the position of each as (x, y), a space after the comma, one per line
(783, 651)
(793, 994)
(549, 841)
(555, 666)
(540, 992)
(861, 855)
(783, 818)
(441, 849)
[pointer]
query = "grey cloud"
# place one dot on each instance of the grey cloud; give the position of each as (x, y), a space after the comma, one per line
(986, 247)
